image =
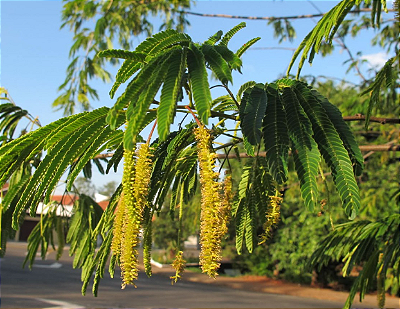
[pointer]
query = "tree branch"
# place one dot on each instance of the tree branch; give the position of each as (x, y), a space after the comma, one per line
(363, 148)
(219, 114)
(371, 119)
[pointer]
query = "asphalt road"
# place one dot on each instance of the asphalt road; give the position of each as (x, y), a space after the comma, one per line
(55, 284)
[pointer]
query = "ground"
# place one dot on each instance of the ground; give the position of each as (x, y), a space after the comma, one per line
(268, 285)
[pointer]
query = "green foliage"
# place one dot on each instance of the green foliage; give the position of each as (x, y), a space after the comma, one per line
(246, 46)
(308, 130)
(168, 55)
(275, 134)
(326, 28)
(108, 188)
(252, 111)
(228, 36)
(305, 151)
(383, 78)
(330, 146)
(282, 117)
(96, 25)
(42, 234)
(98, 223)
(84, 220)
(200, 87)
(374, 243)
(334, 26)
(84, 186)
(10, 117)
(254, 191)
(170, 94)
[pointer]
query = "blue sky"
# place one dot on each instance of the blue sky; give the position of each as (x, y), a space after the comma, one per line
(34, 51)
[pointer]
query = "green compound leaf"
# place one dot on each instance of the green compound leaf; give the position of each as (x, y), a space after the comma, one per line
(276, 138)
(332, 150)
(199, 82)
(169, 93)
(305, 151)
(251, 112)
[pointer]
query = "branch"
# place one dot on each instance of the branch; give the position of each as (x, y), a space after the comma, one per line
(263, 48)
(372, 152)
(219, 114)
(372, 119)
(363, 148)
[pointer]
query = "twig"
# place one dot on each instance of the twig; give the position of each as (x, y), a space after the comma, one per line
(219, 114)
(375, 148)
(151, 132)
(194, 116)
(363, 148)
(371, 119)
(372, 152)
(263, 48)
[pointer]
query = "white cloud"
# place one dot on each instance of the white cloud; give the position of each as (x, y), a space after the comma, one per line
(377, 60)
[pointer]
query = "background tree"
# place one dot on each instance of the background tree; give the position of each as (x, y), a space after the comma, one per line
(85, 186)
(108, 188)
(98, 25)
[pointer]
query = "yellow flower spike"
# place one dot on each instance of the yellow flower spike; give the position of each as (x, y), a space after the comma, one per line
(210, 226)
(118, 226)
(273, 216)
(130, 228)
(179, 265)
(136, 181)
(143, 175)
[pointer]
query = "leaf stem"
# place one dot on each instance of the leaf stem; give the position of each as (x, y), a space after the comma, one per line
(194, 116)
(151, 132)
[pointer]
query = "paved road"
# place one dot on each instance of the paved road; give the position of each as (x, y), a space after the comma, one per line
(53, 284)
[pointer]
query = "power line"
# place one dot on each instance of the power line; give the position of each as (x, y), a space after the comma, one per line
(272, 18)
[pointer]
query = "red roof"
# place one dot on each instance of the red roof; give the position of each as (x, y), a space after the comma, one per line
(5, 187)
(70, 198)
(103, 204)
(67, 199)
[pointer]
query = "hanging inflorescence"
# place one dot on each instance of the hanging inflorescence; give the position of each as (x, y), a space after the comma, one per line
(179, 265)
(214, 208)
(214, 217)
(129, 214)
(272, 217)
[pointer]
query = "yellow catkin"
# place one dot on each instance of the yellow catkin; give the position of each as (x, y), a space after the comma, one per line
(130, 230)
(272, 216)
(136, 185)
(118, 224)
(143, 175)
(179, 265)
(210, 253)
